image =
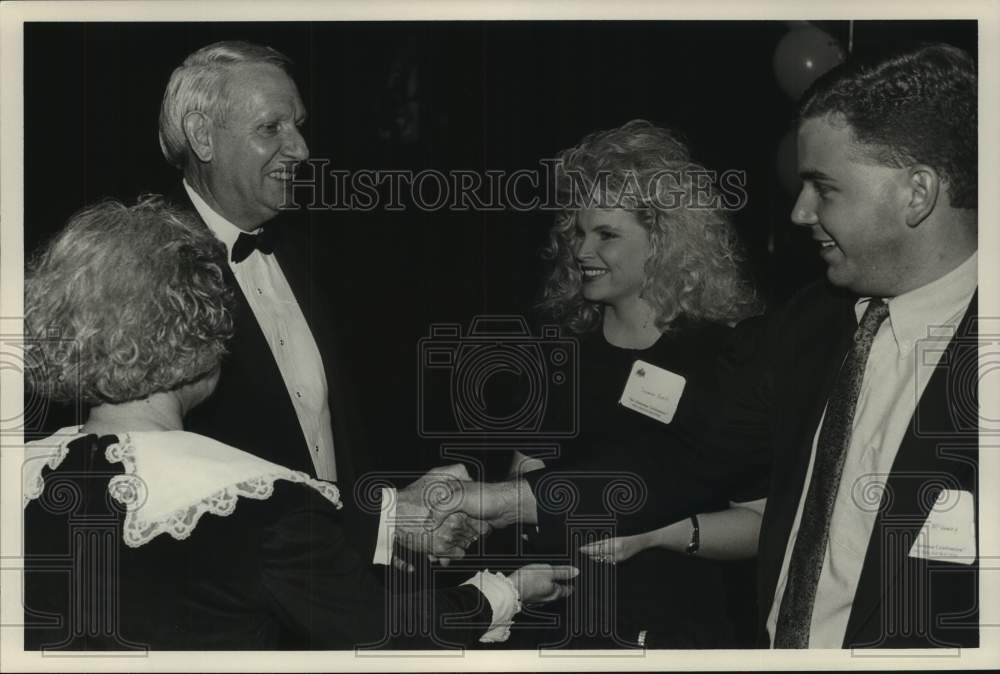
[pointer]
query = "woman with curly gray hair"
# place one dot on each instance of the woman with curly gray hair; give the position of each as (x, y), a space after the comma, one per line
(128, 311)
(647, 271)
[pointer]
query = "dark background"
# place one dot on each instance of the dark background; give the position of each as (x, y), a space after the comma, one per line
(475, 95)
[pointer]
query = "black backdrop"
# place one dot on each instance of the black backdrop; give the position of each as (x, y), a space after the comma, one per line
(498, 95)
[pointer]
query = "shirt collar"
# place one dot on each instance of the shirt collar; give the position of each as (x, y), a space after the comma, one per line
(939, 302)
(224, 230)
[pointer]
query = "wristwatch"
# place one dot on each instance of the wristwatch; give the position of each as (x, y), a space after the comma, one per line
(692, 547)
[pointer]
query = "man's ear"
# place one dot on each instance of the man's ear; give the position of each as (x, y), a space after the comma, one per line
(198, 132)
(924, 185)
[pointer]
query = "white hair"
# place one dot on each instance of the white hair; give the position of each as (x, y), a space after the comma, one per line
(198, 84)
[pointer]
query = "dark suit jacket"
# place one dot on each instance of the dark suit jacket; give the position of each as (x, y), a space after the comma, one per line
(251, 409)
(901, 601)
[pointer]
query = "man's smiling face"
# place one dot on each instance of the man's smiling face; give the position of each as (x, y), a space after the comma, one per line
(854, 208)
(251, 147)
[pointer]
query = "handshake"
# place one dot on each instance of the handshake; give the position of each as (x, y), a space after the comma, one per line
(443, 512)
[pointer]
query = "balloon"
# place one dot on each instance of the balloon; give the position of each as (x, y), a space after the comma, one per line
(802, 55)
(787, 162)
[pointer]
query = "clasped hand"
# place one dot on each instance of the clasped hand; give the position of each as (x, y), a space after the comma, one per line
(444, 511)
(429, 518)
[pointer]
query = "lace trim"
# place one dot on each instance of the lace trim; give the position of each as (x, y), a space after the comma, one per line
(35, 485)
(518, 606)
(130, 490)
(504, 609)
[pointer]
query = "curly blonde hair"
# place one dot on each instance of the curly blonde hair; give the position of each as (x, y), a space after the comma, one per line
(695, 269)
(125, 301)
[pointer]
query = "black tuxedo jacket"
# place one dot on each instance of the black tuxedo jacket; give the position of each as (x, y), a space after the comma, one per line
(901, 601)
(251, 409)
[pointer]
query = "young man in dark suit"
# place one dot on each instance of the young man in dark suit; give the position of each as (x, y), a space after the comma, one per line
(868, 400)
(862, 393)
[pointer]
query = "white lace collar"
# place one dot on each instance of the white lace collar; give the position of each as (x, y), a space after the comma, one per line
(49, 452)
(172, 478)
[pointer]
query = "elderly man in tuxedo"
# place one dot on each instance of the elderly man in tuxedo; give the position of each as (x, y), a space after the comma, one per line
(231, 122)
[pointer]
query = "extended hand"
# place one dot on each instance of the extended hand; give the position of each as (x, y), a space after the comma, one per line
(537, 583)
(428, 519)
(617, 549)
(498, 503)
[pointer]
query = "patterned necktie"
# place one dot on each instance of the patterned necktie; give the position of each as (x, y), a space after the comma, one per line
(795, 614)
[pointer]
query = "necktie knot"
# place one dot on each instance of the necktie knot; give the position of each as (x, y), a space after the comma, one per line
(248, 243)
(876, 312)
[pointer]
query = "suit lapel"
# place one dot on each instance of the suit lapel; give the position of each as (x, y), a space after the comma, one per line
(294, 250)
(816, 373)
(922, 467)
(806, 364)
(250, 376)
(296, 265)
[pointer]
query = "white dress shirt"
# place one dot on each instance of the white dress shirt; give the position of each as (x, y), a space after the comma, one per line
(294, 349)
(291, 342)
(905, 352)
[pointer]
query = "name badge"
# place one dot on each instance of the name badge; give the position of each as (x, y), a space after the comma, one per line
(949, 533)
(653, 391)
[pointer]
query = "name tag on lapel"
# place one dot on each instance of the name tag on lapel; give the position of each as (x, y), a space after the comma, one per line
(949, 533)
(653, 391)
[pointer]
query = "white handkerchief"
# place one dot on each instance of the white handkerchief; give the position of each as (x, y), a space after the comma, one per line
(949, 533)
(653, 391)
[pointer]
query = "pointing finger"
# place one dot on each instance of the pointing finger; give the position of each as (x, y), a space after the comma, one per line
(564, 572)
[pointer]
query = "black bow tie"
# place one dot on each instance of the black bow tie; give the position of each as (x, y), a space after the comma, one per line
(247, 243)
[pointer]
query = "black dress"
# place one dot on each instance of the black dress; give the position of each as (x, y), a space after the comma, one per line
(276, 573)
(630, 473)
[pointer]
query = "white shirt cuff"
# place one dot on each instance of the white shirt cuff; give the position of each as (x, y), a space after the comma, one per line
(504, 600)
(386, 528)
